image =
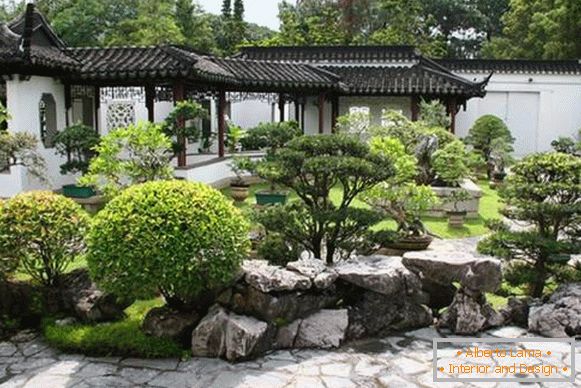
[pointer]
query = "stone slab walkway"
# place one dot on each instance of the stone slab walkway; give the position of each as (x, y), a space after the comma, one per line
(395, 361)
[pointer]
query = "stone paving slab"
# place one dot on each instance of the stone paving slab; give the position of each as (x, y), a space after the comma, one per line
(397, 361)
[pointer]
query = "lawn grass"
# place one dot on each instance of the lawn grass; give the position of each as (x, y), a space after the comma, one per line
(122, 338)
(489, 209)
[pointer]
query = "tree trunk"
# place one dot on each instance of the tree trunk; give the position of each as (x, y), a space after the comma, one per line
(538, 286)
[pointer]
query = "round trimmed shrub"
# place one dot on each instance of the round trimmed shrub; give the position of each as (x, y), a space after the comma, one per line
(176, 238)
(43, 233)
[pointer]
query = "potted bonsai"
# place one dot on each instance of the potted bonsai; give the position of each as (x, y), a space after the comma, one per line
(239, 189)
(76, 143)
(233, 136)
(272, 137)
(456, 215)
(499, 159)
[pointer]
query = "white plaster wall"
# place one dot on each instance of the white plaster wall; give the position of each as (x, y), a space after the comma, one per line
(537, 108)
(12, 181)
(22, 100)
(249, 113)
(161, 110)
(376, 105)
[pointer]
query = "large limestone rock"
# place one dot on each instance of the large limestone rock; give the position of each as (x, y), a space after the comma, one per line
(561, 315)
(382, 274)
(268, 278)
(228, 335)
(469, 314)
(475, 272)
(82, 297)
(325, 329)
(316, 270)
(163, 322)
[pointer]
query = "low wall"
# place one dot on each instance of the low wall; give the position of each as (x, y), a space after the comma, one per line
(471, 206)
(12, 181)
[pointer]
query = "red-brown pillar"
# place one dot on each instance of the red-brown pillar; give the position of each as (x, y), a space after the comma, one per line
(150, 102)
(453, 110)
(321, 112)
(297, 110)
(334, 112)
(281, 107)
(221, 122)
(302, 105)
(97, 102)
(415, 108)
(68, 104)
(178, 95)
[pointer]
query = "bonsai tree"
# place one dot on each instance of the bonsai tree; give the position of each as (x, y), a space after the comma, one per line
(356, 123)
(127, 156)
(567, 145)
(544, 191)
(41, 233)
(181, 239)
(500, 158)
(399, 197)
(21, 149)
(77, 144)
(456, 215)
(181, 124)
(312, 166)
(433, 114)
(449, 163)
(233, 136)
(238, 185)
(486, 129)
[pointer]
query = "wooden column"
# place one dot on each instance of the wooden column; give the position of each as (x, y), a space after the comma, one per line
(452, 109)
(68, 104)
(334, 112)
(302, 105)
(281, 107)
(178, 95)
(415, 108)
(297, 110)
(150, 102)
(97, 102)
(321, 112)
(221, 122)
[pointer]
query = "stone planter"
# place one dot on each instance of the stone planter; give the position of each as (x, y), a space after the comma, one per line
(239, 192)
(471, 206)
(456, 218)
(270, 198)
(74, 191)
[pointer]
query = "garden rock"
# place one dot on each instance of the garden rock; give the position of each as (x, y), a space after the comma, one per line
(561, 315)
(266, 278)
(475, 272)
(325, 279)
(164, 322)
(376, 314)
(228, 335)
(469, 314)
(309, 267)
(516, 312)
(382, 274)
(286, 306)
(324, 330)
(17, 301)
(81, 296)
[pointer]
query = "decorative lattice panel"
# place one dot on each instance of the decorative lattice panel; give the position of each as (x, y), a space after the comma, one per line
(120, 114)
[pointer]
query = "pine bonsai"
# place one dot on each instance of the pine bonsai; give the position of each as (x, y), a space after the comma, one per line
(482, 134)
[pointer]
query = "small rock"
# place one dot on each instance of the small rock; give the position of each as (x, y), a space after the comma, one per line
(286, 335)
(382, 274)
(242, 336)
(469, 314)
(561, 315)
(208, 338)
(164, 322)
(516, 311)
(325, 329)
(307, 267)
(267, 278)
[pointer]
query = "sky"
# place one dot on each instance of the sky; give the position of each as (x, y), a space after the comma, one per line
(262, 12)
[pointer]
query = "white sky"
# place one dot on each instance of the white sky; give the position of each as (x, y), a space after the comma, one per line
(262, 12)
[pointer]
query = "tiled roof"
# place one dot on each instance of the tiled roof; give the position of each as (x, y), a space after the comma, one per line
(332, 54)
(523, 66)
(257, 74)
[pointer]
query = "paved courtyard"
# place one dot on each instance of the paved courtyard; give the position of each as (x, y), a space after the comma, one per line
(396, 361)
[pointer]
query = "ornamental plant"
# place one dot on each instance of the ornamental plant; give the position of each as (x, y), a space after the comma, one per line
(182, 123)
(449, 163)
(77, 144)
(312, 166)
(181, 239)
(544, 191)
(127, 156)
(482, 134)
(399, 197)
(43, 233)
(21, 149)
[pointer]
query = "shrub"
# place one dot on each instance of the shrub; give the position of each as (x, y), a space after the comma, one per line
(127, 156)
(276, 250)
(21, 148)
(544, 190)
(356, 123)
(399, 196)
(271, 136)
(174, 237)
(434, 114)
(311, 166)
(449, 163)
(182, 123)
(486, 129)
(77, 144)
(43, 232)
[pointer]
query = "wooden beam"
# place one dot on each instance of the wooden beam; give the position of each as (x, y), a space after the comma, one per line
(68, 104)
(321, 112)
(334, 112)
(281, 107)
(415, 108)
(221, 122)
(97, 102)
(150, 102)
(453, 110)
(302, 105)
(179, 95)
